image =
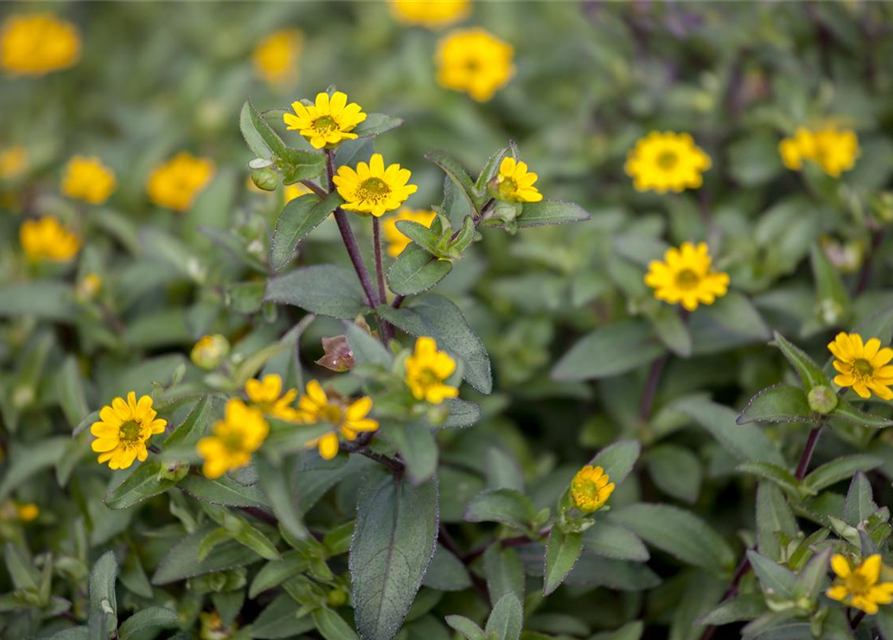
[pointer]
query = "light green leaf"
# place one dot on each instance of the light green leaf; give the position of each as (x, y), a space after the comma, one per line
(457, 173)
(148, 618)
(549, 212)
(847, 412)
(366, 349)
(773, 515)
(102, 587)
(829, 285)
(859, 505)
(462, 414)
(562, 552)
(324, 289)
(376, 124)
(778, 403)
(280, 620)
(739, 609)
(70, 387)
(506, 619)
(182, 561)
(276, 484)
(609, 351)
(332, 626)
(415, 270)
(676, 471)
(466, 627)
(772, 472)
(774, 577)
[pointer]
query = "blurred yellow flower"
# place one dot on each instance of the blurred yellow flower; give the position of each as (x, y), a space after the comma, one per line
(13, 162)
(864, 367)
(474, 61)
(591, 488)
(209, 351)
(36, 44)
(373, 189)
(28, 511)
(666, 161)
(212, 627)
(326, 123)
(175, 184)
(397, 242)
(276, 56)
(514, 183)
(347, 418)
(89, 286)
(233, 440)
(426, 370)
(860, 587)
(432, 14)
(86, 178)
(295, 190)
(686, 276)
(47, 239)
(267, 396)
(124, 429)
(834, 150)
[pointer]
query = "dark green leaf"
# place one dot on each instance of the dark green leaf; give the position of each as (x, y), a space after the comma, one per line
(299, 217)
(504, 572)
(609, 351)
(778, 403)
(325, 289)
(809, 371)
(376, 124)
(839, 469)
(506, 619)
(224, 491)
(548, 212)
(507, 506)
(455, 172)
(148, 618)
(562, 552)
(415, 270)
(143, 483)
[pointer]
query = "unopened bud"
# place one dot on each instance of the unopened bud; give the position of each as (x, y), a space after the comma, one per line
(209, 352)
(174, 471)
(336, 598)
(266, 178)
(822, 399)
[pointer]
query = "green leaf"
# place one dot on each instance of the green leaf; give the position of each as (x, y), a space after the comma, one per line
(299, 217)
(778, 403)
(366, 349)
(839, 469)
(809, 371)
(466, 627)
(193, 427)
(679, 533)
(812, 577)
(394, 540)
(775, 578)
(417, 448)
(29, 460)
(275, 482)
(502, 470)
(504, 572)
(829, 285)
(251, 122)
(462, 414)
(672, 331)
(772, 472)
(41, 299)
(148, 618)
(446, 572)
(739, 609)
(280, 620)
(102, 587)
(376, 124)
(415, 270)
(676, 471)
(774, 515)
(435, 316)
(859, 505)
(548, 212)
(618, 459)
(224, 491)
(143, 483)
(182, 561)
(324, 289)
(506, 506)
(332, 626)
(609, 351)
(562, 552)
(605, 538)
(491, 170)
(276, 572)
(70, 387)
(506, 619)
(847, 412)
(24, 576)
(420, 234)
(457, 173)
(297, 165)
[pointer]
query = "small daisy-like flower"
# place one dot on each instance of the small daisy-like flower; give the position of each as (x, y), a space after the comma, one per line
(241, 432)
(87, 179)
(276, 56)
(347, 418)
(834, 150)
(433, 15)
(36, 44)
(474, 61)
(13, 162)
(591, 488)
(426, 369)
(859, 586)
(124, 429)
(373, 189)
(326, 123)
(666, 161)
(267, 396)
(209, 351)
(175, 184)
(514, 183)
(27, 511)
(47, 239)
(397, 242)
(686, 276)
(864, 367)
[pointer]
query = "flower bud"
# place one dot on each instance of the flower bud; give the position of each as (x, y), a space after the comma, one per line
(209, 352)
(266, 178)
(336, 598)
(822, 399)
(174, 471)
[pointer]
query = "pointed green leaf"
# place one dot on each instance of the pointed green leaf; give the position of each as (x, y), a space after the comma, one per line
(609, 351)
(325, 289)
(809, 371)
(549, 212)
(778, 403)
(299, 217)
(562, 552)
(506, 619)
(415, 270)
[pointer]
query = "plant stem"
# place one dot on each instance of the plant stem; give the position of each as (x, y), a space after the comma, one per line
(398, 301)
(854, 623)
(361, 446)
(657, 367)
(387, 331)
(808, 450)
(731, 591)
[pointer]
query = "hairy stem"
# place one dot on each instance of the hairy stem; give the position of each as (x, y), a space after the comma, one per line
(387, 331)
(808, 450)
(657, 367)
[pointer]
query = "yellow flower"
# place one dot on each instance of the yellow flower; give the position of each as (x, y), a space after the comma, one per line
(212, 627)
(27, 512)
(686, 276)
(88, 179)
(13, 162)
(666, 161)
(295, 190)
(373, 189)
(209, 351)
(474, 61)
(835, 151)
(864, 367)
(397, 242)
(124, 429)
(591, 488)
(347, 418)
(241, 432)
(267, 396)
(515, 183)
(426, 369)
(89, 286)
(858, 587)
(47, 239)
(176, 183)
(33, 45)
(326, 123)
(432, 14)
(276, 56)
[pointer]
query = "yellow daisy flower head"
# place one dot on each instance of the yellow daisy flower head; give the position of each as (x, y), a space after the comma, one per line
(863, 366)
(514, 183)
(276, 57)
(432, 14)
(426, 370)
(13, 162)
(834, 150)
(123, 430)
(474, 61)
(591, 488)
(267, 396)
(686, 276)
(27, 511)
(327, 122)
(86, 178)
(860, 586)
(175, 184)
(372, 189)
(241, 432)
(666, 161)
(47, 239)
(209, 351)
(397, 242)
(36, 44)
(347, 418)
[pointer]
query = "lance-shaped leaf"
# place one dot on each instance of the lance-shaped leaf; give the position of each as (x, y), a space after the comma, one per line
(415, 270)
(562, 552)
(276, 483)
(778, 403)
(457, 173)
(416, 446)
(839, 469)
(145, 481)
(507, 506)
(618, 459)
(506, 619)
(548, 212)
(610, 540)
(102, 587)
(609, 351)
(420, 234)
(325, 289)
(847, 412)
(365, 348)
(774, 577)
(223, 491)
(809, 371)
(830, 289)
(376, 124)
(777, 474)
(504, 572)
(299, 217)
(859, 505)
(261, 139)
(774, 515)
